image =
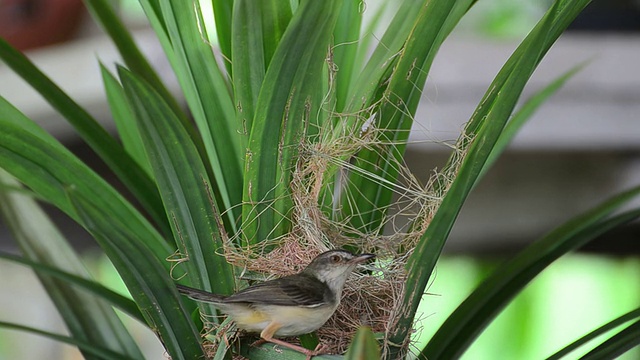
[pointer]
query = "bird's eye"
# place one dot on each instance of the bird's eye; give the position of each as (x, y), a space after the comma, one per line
(335, 259)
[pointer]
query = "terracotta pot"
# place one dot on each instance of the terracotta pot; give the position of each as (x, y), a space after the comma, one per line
(28, 24)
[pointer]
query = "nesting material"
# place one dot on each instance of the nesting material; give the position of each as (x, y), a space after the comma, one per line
(373, 294)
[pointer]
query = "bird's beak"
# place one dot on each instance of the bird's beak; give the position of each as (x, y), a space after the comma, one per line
(361, 258)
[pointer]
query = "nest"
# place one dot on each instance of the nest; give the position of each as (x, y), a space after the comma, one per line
(371, 297)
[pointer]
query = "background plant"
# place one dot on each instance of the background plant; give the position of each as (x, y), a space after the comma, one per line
(244, 166)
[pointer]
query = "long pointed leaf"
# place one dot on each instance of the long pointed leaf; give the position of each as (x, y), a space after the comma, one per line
(364, 346)
(494, 116)
(103, 12)
(346, 36)
(40, 162)
(249, 64)
(109, 150)
(475, 313)
(184, 186)
(124, 119)
(617, 345)
(119, 301)
(522, 115)
(257, 29)
(147, 280)
(88, 347)
(384, 55)
(94, 321)
(381, 162)
(270, 351)
(286, 101)
(223, 14)
(634, 314)
(209, 100)
(564, 12)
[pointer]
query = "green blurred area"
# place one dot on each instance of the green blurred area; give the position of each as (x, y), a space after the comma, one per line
(569, 299)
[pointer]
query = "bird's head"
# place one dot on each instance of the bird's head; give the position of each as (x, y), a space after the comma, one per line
(334, 266)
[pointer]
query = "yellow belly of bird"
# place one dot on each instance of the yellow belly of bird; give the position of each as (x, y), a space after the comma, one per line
(292, 320)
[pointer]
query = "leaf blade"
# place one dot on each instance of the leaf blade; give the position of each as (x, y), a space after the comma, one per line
(87, 317)
(364, 346)
(124, 119)
(208, 96)
(40, 162)
(617, 345)
(103, 12)
(184, 188)
(470, 318)
(147, 280)
(109, 150)
(123, 303)
(484, 128)
(285, 100)
(633, 314)
(381, 162)
(98, 352)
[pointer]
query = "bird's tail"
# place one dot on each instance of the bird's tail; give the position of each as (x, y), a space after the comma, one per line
(199, 295)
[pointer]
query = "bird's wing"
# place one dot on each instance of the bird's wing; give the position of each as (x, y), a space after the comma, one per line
(295, 290)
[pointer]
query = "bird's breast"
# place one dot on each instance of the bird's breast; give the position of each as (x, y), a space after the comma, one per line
(298, 320)
(293, 320)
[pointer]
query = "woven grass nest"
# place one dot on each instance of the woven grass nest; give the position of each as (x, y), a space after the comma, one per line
(373, 292)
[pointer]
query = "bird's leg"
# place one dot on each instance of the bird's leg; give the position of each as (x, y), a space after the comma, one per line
(267, 335)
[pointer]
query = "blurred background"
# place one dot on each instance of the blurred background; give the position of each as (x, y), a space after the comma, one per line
(582, 147)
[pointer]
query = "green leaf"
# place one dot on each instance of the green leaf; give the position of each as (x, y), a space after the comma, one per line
(147, 280)
(275, 18)
(364, 346)
(270, 351)
(383, 57)
(484, 129)
(115, 299)
(368, 86)
(102, 12)
(480, 308)
(367, 36)
(634, 314)
(124, 119)
(378, 165)
(209, 99)
(617, 345)
(563, 13)
(346, 36)
(88, 317)
(87, 347)
(522, 115)
(185, 189)
(109, 150)
(11, 115)
(249, 64)
(45, 166)
(257, 29)
(309, 341)
(154, 14)
(286, 102)
(223, 18)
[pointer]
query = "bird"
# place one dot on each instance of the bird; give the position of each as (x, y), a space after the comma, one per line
(291, 305)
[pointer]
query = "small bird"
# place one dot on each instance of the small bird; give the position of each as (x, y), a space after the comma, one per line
(289, 306)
